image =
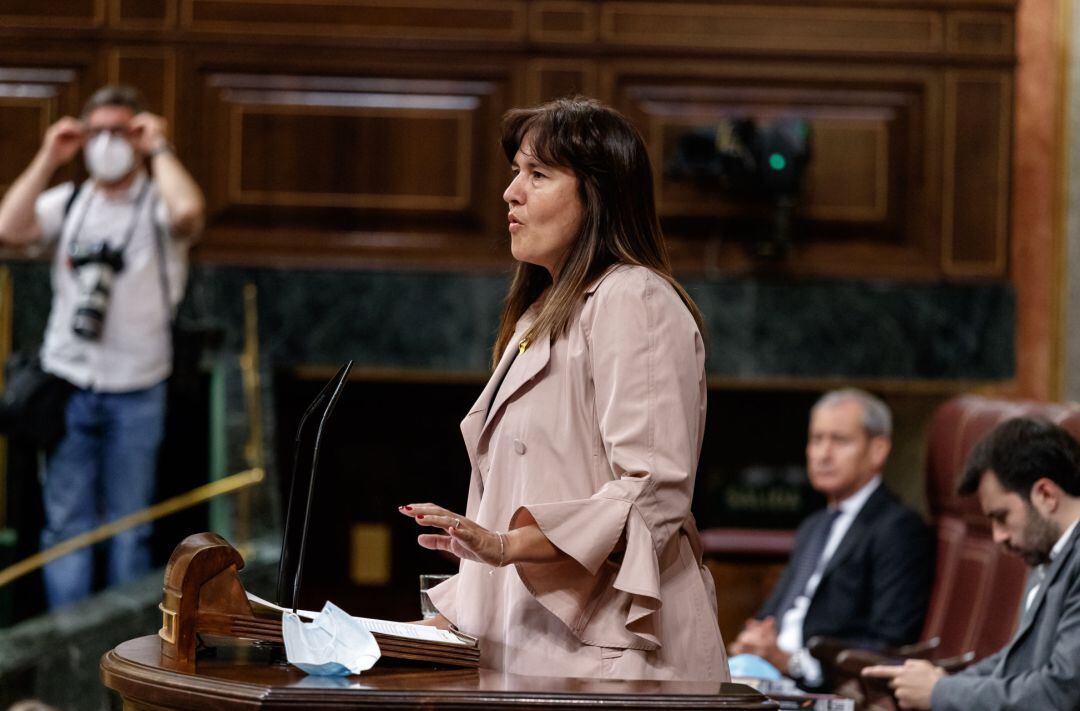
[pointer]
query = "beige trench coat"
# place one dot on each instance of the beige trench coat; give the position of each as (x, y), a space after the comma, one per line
(597, 434)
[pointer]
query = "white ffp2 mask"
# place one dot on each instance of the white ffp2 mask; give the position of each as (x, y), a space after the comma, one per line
(334, 644)
(109, 157)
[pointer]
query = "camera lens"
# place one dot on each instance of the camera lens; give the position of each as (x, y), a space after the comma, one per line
(94, 268)
(88, 323)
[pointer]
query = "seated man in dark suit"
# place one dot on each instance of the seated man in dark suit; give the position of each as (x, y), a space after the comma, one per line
(1027, 477)
(861, 569)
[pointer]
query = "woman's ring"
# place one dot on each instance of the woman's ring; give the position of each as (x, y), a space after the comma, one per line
(457, 523)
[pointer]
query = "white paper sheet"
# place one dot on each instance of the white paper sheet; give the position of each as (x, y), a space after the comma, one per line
(398, 629)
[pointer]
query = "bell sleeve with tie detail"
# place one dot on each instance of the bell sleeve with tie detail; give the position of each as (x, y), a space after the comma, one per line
(646, 358)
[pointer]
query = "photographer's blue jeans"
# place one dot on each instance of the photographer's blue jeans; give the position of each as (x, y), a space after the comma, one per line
(104, 468)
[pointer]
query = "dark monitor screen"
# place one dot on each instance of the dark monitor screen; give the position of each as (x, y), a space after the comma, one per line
(302, 487)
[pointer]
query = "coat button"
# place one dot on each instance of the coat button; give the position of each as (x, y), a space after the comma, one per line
(519, 446)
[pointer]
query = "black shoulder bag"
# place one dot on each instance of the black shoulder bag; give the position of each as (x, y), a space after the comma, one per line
(33, 404)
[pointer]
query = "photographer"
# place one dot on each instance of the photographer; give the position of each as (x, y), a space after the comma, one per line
(119, 270)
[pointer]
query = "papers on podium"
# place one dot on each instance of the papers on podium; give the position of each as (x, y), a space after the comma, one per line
(402, 640)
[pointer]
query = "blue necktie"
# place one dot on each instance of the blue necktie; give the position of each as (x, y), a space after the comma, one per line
(806, 562)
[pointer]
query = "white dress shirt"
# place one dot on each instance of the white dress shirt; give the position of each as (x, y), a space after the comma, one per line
(790, 636)
(1040, 570)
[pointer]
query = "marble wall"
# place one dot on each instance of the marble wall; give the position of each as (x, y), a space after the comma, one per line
(446, 321)
(757, 330)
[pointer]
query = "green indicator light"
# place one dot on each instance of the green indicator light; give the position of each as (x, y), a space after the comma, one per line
(777, 162)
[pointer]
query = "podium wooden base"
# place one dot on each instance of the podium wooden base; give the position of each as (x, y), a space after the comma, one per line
(244, 677)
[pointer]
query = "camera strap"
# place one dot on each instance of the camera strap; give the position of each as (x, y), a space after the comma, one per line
(71, 199)
(163, 274)
(131, 225)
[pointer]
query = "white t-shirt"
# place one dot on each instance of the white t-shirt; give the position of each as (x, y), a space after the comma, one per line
(135, 349)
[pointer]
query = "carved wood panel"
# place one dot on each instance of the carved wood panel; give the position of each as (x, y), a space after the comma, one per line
(56, 13)
(30, 100)
(151, 70)
(976, 192)
(365, 131)
(143, 14)
(375, 160)
(548, 79)
(766, 26)
(869, 190)
(400, 19)
(563, 21)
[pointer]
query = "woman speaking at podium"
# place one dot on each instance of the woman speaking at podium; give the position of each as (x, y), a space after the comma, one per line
(579, 555)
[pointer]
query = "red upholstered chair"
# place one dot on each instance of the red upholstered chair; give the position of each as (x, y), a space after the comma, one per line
(977, 588)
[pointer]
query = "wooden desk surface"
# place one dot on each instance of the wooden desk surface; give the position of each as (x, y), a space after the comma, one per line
(244, 677)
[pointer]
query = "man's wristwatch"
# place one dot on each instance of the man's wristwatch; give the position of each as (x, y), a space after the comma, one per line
(163, 147)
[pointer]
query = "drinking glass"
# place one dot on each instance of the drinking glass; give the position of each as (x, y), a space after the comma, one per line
(428, 581)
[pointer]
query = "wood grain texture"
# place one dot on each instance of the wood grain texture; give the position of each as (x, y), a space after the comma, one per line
(245, 678)
(364, 132)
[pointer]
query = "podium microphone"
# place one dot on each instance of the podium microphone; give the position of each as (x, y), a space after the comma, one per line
(334, 388)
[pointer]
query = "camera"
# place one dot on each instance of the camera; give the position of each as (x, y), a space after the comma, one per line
(95, 266)
(757, 162)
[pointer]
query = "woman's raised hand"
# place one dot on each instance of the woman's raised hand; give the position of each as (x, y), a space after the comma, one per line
(463, 538)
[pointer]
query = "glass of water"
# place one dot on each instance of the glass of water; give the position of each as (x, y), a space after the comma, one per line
(427, 582)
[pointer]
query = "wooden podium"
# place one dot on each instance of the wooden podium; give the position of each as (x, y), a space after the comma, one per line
(240, 666)
(245, 677)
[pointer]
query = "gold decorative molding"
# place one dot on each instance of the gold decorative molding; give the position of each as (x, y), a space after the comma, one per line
(199, 495)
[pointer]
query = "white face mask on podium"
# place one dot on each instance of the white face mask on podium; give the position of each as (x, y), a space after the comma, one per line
(109, 157)
(333, 644)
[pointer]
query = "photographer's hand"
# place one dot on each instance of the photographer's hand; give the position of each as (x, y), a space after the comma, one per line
(183, 198)
(18, 221)
(62, 141)
(148, 133)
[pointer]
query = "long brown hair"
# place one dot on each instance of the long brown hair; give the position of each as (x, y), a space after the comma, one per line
(618, 225)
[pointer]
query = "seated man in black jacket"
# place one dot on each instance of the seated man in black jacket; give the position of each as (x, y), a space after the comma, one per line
(861, 568)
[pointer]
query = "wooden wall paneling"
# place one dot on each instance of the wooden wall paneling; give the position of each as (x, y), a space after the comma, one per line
(143, 14)
(981, 33)
(365, 154)
(978, 133)
(365, 164)
(791, 27)
(31, 99)
(74, 14)
(404, 20)
(875, 78)
(548, 79)
(563, 22)
(868, 194)
(151, 70)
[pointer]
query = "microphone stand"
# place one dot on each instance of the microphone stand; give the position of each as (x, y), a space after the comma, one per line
(334, 387)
